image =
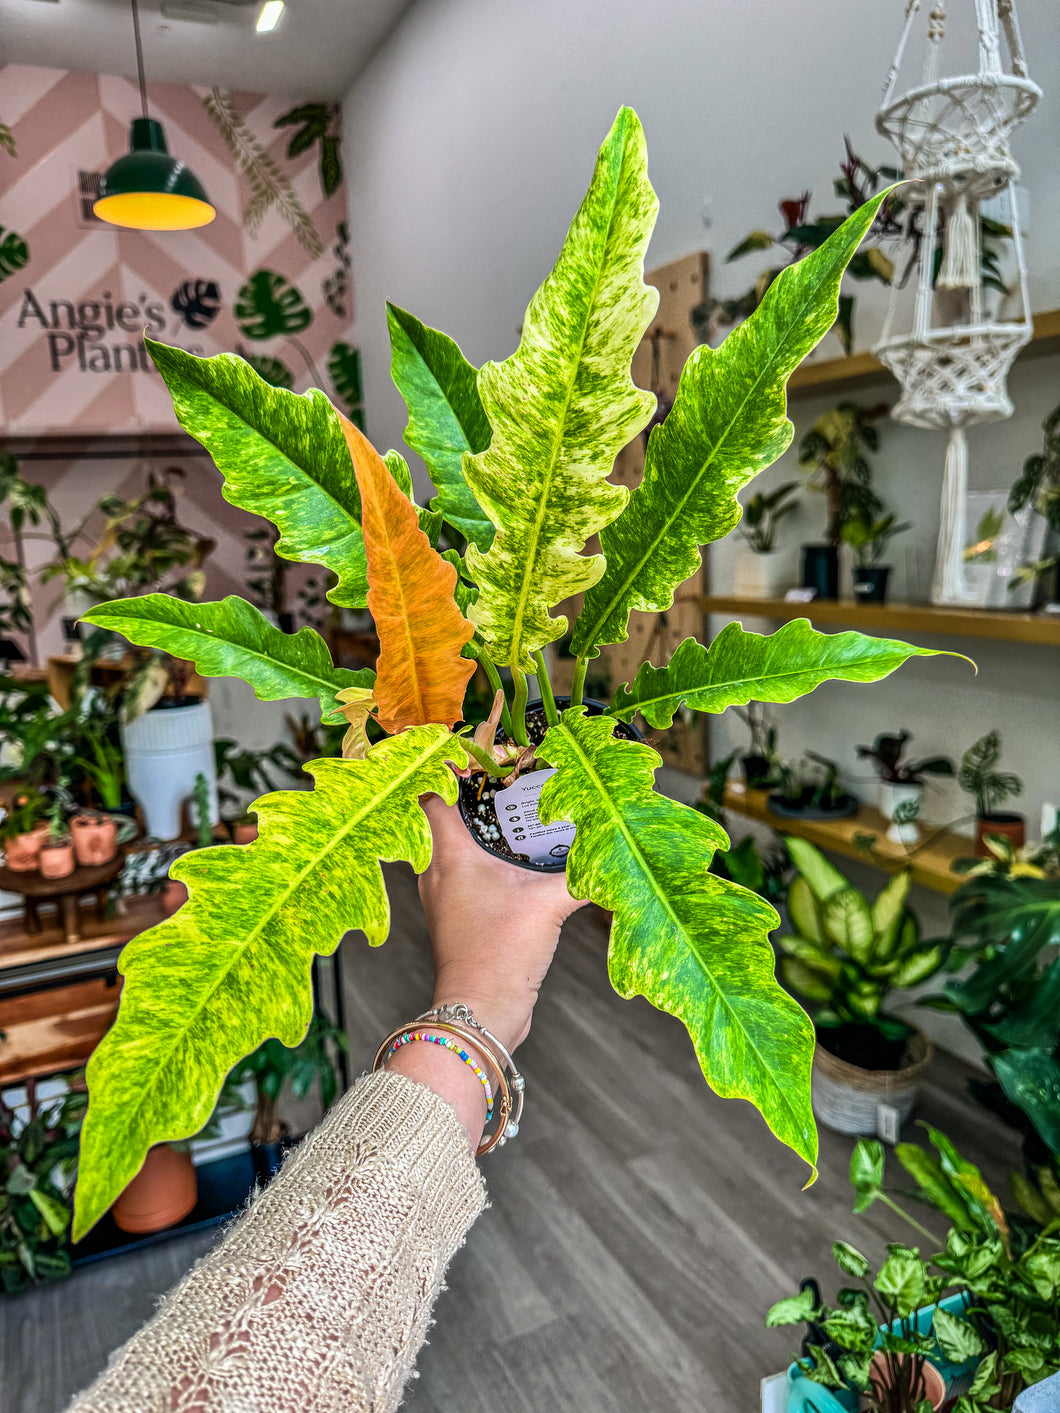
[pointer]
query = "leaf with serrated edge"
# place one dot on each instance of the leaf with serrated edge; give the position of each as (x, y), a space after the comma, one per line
(728, 422)
(232, 966)
(562, 407)
(739, 667)
(420, 674)
(446, 419)
(232, 639)
(694, 944)
(282, 455)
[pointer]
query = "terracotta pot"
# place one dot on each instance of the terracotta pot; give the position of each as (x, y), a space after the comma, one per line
(57, 858)
(23, 851)
(932, 1384)
(1012, 827)
(174, 896)
(245, 831)
(95, 839)
(161, 1194)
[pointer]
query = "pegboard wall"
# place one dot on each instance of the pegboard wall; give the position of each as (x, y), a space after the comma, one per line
(653, 637)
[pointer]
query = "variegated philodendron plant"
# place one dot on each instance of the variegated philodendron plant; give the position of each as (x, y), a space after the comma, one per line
(520, 452)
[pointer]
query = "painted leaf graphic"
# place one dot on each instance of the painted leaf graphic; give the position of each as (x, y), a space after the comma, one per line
(728, 422)
(268, 305)
(14, 253)
(420, 674)
(233, 639)
(273, 371)
(562, 407)
(446, 418)
(283, 456)
(232, 966)
(739, 667)
(197, 302)
(344, 370)
(694, 944)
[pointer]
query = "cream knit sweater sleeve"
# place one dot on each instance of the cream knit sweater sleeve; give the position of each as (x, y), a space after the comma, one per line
(317, 1299)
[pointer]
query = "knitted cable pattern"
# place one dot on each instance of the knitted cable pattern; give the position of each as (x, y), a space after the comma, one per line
(319, 1296)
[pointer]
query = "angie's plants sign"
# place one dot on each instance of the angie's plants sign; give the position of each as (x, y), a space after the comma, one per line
(270, 275)
(520, 452)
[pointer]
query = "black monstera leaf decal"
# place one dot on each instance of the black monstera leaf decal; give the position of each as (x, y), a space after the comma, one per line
(197, 302)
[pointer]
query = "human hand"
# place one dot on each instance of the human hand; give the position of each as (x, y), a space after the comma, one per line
(493, 927)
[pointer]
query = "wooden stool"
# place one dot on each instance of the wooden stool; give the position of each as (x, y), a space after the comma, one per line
(65, 893)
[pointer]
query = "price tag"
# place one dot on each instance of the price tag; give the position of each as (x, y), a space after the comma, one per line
(523, 831)
(888, 1123)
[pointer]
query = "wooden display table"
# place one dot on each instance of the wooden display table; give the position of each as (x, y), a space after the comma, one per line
(65, 893)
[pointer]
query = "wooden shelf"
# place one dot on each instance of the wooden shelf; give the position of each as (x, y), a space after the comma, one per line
(1040, 628)
(19, 948)
(826, 376)
(55, 1030)
(931, 865)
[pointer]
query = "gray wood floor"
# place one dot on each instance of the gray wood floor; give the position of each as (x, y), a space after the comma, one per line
(637, 1232)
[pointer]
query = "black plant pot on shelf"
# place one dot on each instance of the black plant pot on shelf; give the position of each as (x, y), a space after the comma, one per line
(870, 585)
(820, 570)
(756, 770)
(478, 796)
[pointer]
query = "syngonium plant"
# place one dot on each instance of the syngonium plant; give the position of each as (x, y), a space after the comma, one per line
(520, 453)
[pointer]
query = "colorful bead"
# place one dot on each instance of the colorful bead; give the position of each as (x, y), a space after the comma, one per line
(447, 1043)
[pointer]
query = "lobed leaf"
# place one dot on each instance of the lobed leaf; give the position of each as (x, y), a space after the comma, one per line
(232, 639)
(420, 674)
(232, 966)
(728, 423)
(739, 667)
(282, 455)
(562, 407)
(694, 944)
(446, 418)
(821, 875)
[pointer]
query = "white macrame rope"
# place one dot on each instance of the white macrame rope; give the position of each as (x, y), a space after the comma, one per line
(949, 585)
(960, 264)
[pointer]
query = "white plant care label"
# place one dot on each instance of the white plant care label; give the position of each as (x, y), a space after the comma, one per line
(523, 831)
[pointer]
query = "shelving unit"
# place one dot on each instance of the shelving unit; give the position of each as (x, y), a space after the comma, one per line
(932, 865)
(827, 376)
(1038, 628)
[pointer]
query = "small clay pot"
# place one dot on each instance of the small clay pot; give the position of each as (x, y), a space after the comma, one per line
(23, 851)
(1012, 827)
(95, 839)
(932, 1385)
(244, 831)
(57, 858)
(161, 1194)
(174, 895)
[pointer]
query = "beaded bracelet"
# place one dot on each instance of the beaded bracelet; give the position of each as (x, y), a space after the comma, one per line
(448, 1043)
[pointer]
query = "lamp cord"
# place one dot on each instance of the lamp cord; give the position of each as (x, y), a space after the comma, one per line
(139, 57)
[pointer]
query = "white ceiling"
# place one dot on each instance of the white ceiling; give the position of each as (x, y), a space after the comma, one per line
(316, 50)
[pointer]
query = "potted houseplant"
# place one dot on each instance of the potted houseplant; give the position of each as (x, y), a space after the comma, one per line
(273, 1068)
(38, 1156)
(174, 891)
(520, 452)
(868, 538)
(246, 768)
(810, 789)
(759, 764)
(762, 571)
(844, 957)
(95, 831)
(57, 858)
(833, 452)
(989, 788)
(901, 783)
(1039, 487)
(24, 830)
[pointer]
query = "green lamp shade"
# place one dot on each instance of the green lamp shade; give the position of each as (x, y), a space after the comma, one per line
(149, 190)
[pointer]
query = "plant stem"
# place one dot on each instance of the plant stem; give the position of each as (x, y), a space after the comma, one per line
(521, 693)
(902, 1213)
(309, 361)
(577, 686)
(551, 714)
(498, 686)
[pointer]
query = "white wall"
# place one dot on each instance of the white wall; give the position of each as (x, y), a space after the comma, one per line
(470, 140)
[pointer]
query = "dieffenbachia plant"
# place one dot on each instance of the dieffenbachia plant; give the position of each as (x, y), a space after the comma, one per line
(520, 453)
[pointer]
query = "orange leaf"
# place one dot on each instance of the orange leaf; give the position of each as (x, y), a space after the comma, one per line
(420, 675)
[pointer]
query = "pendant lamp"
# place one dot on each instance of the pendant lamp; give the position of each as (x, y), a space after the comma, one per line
(148, 189)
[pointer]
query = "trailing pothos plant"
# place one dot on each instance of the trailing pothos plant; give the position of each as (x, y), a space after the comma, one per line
(520, 453)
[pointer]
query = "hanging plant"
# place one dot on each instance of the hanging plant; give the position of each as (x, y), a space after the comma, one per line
(532, 441)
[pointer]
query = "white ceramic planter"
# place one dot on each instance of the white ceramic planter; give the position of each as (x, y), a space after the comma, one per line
(164, 752)
(890, 797)
(762, 576)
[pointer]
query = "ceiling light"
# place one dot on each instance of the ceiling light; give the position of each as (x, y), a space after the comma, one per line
(270, 16)
(147, 189)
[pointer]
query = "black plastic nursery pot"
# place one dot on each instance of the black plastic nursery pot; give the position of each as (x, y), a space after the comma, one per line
(478, 794)
(820, 570)
(756, 770)
(870, 585)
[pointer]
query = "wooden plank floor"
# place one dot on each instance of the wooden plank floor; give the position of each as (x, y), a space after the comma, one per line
(637, 1231)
